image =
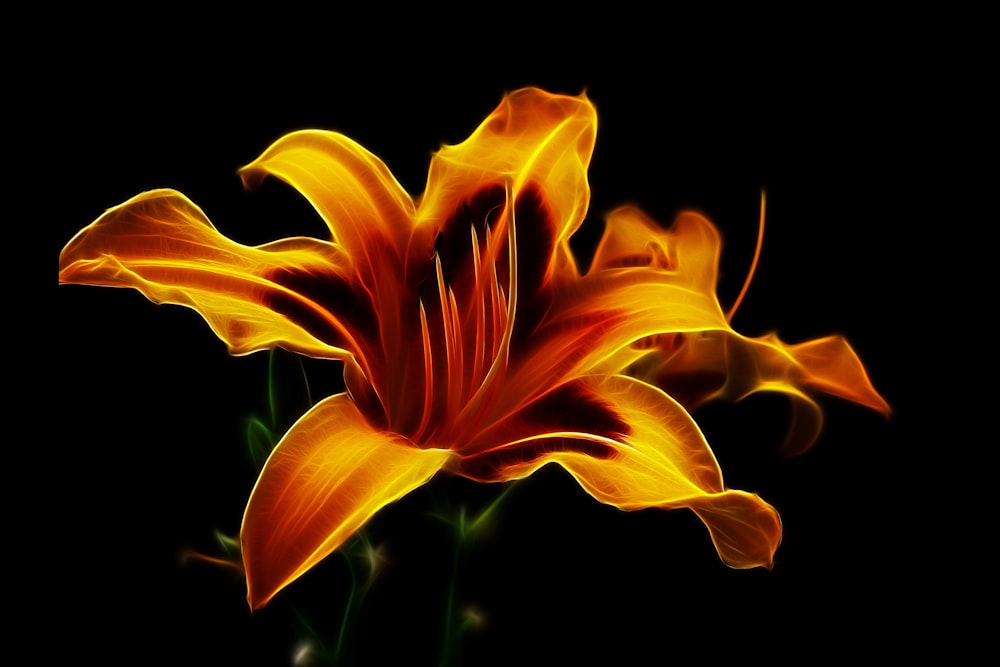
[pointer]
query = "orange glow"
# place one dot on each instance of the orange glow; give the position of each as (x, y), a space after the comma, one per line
(471, 341)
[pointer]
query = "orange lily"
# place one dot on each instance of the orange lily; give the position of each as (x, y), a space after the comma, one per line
(471, 341)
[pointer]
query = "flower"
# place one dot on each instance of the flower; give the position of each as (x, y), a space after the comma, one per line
(470, 339)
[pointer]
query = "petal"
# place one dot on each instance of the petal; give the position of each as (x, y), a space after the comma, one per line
(328, 475)
(163, 245)
(364, 206)
(532, 137)
(688, 252)
(830, 365)
(660, 459)
(656, 280)
(371, 217)
(723, 364)
(644, 280)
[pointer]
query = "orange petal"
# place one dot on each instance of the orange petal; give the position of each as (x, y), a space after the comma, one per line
(723, 364)
(531, 138)
(328, 475)
(644, 280)
(660, 459)
(163, 245)
(830, 365)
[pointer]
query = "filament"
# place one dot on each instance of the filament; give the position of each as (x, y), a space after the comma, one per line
(753, 265)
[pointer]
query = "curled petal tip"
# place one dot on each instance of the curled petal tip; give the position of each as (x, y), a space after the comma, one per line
(746, 530)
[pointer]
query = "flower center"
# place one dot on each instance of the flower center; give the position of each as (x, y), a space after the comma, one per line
(466, 338)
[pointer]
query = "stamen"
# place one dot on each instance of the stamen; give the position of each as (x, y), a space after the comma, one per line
(458, 375)
(428, 374)
(495, 303)
(447, 326)
(753, 265)
(510, 305)
(475, 256)
(479, 305)
(502, 308)
(499, 365)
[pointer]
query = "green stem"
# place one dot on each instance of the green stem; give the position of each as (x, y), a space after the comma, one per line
(449, 635)
(348, 608)
(488, 512)
(305, 380)
(271, 400)
(465, 531)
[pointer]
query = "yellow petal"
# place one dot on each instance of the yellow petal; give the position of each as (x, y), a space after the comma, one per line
(367, 211)
(687, 252)
(532, 139)
(371, 217)
(328, 475)
(659, 459)
(163, 245)
(663, 280)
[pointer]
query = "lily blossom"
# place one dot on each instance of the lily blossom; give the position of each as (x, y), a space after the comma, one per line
(471, 341)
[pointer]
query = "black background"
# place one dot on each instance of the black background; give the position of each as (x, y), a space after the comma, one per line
(148, 453)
